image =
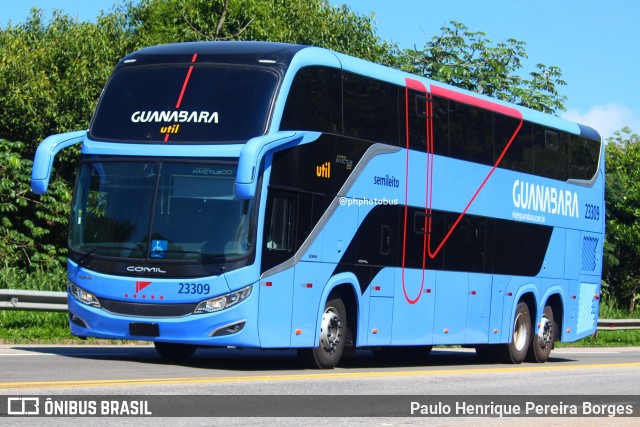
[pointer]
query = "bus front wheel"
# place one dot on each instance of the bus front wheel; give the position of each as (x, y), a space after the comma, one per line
(333, 326)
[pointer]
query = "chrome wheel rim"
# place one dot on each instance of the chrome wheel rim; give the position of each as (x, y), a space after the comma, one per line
(520, 332)
(330, 330)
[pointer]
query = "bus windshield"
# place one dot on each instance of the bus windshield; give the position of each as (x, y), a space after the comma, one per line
(185, 104)
(159, 210)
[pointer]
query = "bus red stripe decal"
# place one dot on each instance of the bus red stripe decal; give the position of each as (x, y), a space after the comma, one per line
(184, 88)
(186, 81)
(456, 96)
(415, 85)
(472, 100)
(406, 199)
(462, 214)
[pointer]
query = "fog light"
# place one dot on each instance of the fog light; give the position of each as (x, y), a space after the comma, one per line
(233, 328)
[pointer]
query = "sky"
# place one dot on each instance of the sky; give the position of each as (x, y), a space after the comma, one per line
(593, 42)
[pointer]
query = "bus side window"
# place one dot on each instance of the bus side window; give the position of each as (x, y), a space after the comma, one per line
(281, 235)
(280, 228)
(314, 101)
(584, 155)
(471, 133)
(370, 109)
(551, 154)
(385, 240)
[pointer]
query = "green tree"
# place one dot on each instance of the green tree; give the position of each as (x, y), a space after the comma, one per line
(622, 245)
(311, 22)
(51, 73)
(30, 228)
(471, 61)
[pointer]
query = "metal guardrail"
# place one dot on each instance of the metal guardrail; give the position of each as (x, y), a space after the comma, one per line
(16, 299)
(618, 324)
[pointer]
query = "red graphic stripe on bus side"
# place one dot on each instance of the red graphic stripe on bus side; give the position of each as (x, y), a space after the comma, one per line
(415, 85)
(456, 96)
(418, 86)
(433, 254)
(406, 201)
(184, 88)
(472, 100)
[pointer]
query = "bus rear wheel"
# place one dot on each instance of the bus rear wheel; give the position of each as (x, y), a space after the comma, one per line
(333, 326)
(542, 342)
(516, 351)
(174, 351)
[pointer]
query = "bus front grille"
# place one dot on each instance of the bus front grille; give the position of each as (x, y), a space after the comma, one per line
(147, 310)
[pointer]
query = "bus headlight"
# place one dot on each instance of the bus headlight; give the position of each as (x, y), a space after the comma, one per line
(223, 301)
(82, 295)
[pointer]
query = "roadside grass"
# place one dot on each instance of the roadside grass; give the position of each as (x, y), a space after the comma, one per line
(29, 327)
(21, 327)
(41, 279)
(607, 339)
(621, 338)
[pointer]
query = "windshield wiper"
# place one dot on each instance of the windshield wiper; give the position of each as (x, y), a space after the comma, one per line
(200, 255)
(88, 255)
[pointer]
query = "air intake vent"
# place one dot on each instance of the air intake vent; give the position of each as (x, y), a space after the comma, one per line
(147, 310)
(589, 245)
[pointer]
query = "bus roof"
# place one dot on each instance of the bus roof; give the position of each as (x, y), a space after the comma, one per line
(249, 52)
(298, 56)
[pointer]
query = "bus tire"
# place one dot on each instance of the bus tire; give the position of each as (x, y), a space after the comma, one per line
(333, 326)
(542, 342)
(516, 351)
(174, 351)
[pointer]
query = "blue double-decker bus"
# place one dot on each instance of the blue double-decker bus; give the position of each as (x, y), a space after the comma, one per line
(278, 196)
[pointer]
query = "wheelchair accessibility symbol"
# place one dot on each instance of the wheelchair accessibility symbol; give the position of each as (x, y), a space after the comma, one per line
(159, 248)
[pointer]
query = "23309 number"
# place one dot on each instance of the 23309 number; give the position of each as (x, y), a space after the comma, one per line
(592, 212)
(194, 288)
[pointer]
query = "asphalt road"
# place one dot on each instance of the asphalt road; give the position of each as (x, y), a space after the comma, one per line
(138, 370)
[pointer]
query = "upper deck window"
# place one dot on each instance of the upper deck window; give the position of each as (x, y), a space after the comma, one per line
(185, 104)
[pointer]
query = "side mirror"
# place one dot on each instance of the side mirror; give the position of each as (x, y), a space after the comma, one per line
(254, 151)
(46, 152)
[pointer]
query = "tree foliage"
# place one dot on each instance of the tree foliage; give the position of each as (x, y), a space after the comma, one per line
(622, 246)
(310, 22)
(469, 60)
(30, 228)
(52, 73)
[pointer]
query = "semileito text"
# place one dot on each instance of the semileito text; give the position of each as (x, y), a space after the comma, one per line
(541, 198)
